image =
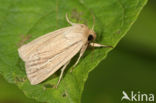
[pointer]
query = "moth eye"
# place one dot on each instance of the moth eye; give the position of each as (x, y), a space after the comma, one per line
(90, 37)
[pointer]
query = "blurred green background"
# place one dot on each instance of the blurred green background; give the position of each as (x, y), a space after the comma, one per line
(131, 66)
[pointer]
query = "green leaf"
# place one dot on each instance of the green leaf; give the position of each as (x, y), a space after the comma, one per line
(24, 20)
(10, 93)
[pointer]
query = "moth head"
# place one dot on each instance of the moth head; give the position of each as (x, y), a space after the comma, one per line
(91, 36)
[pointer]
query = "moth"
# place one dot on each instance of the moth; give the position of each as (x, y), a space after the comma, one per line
(53, 51)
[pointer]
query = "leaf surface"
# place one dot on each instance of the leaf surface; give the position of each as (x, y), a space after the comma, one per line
(24, 20)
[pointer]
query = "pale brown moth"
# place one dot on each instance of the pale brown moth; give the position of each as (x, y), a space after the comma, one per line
(53, 51)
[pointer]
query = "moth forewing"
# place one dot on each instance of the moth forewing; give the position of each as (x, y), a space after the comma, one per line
(38, 73)
(44, 57)
(28, 49)
(48, 53)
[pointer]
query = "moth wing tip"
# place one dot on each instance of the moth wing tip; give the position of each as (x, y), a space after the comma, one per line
(22, 53)
(19, 52)
(33, 82)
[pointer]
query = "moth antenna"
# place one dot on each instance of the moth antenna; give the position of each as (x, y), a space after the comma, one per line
(92, 28)
(68, 20)
(93, 23)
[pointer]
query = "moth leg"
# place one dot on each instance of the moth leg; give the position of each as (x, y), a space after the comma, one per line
(62, 71)
(83, 49)
(100, 45)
